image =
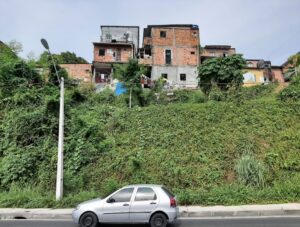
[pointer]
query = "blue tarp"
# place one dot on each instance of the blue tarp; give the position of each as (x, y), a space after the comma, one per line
(120, 89)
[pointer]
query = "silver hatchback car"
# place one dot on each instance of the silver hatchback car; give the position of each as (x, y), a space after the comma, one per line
(153, 204)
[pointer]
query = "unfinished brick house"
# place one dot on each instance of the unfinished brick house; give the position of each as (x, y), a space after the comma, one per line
(211, 51)
(117, 45)
(172, 52)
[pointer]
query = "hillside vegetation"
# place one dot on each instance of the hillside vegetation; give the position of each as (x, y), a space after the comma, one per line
(241, 149)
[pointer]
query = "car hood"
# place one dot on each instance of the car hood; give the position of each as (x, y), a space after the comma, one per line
(92, 202)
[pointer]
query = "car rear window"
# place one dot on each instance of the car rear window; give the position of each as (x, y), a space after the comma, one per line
(170, 194)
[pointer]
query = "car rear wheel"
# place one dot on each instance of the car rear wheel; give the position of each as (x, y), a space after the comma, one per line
(88, 219)
(158, 220)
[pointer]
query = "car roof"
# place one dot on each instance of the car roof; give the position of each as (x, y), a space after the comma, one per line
(143, 185)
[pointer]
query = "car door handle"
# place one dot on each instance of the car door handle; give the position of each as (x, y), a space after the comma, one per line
(152, 203)
(125, 204)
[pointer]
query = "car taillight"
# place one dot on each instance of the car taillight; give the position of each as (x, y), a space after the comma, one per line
(172, 202)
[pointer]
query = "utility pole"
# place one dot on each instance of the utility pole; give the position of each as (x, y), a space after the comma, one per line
(60, 156)
(130, 98)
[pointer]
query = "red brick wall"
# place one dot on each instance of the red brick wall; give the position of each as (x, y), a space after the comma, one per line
(126, 53)
(183, 42)
(78, 71)
(187, 37)
(180, 55)
(158, 41)
(278, 75)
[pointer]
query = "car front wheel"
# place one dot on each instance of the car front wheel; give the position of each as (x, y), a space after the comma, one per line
(158, 220)
(88, 219)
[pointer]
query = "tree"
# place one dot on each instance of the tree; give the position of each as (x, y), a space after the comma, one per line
(294, 60)
(294, 70)
(62, 58)
(15, 73)
(225, 72)
(45, 59)
(130, 74)
(71, 58)
(291, 73)
(6, 53)
(46, 62)
(61, 73)
(15, 46)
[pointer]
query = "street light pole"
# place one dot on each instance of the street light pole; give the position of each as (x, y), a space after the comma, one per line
(60, 156)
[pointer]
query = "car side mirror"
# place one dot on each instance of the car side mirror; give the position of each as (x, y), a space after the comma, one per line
(111, 200)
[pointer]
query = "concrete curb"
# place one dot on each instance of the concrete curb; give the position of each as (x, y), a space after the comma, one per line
(291, 209)
(19, 213)
(241, 211)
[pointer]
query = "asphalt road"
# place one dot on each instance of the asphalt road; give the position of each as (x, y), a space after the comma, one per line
(232, 222)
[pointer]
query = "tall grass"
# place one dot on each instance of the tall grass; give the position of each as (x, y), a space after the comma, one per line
(27, 196)
(250, 171)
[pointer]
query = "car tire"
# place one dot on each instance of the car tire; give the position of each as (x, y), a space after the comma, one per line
(88, 219)
(158, 220)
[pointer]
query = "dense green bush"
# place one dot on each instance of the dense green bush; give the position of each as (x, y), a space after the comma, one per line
(247, 93)
(216, 94)
(189, 96)
(292, 92)
(16, 74)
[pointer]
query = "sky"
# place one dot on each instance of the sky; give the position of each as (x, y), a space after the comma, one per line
(258, 29)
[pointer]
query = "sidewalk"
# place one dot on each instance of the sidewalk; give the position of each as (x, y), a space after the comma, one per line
(290, 209)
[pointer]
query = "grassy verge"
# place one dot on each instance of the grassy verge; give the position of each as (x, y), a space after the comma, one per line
(242, 150)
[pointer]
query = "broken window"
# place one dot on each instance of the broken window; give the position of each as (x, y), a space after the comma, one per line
(141, 53)
(164, 75)
(102, 52)
(192, 52)
(182, 77)
(148, 50)
(225, 54)
(163, 34)
(168, 57)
